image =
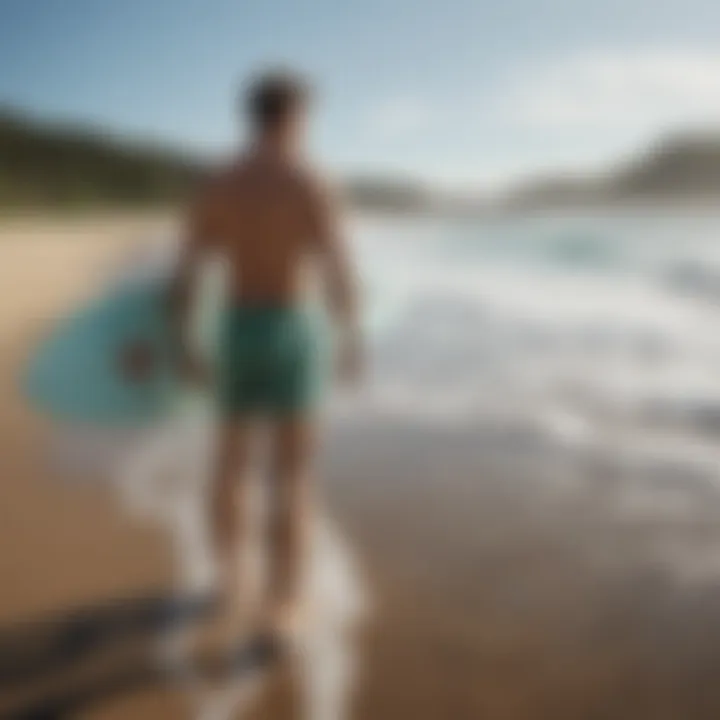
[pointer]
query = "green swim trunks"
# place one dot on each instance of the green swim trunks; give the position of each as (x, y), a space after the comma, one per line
(271, 360)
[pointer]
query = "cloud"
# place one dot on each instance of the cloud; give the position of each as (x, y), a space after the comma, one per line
(643, 90)
(400, 116)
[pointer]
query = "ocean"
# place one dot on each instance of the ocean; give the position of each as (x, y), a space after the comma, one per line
(590, 328)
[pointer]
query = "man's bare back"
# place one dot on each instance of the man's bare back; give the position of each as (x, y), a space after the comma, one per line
(268, 217)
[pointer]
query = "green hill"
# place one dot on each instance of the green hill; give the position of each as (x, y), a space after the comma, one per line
(683, 166)
(680, 169)
(50, 166)
(47, 166)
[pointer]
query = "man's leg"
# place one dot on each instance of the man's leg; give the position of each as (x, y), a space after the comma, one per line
(293, 445)
(228, 503)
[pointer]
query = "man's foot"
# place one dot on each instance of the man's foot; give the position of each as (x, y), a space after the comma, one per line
(220, 634)
(277, 637)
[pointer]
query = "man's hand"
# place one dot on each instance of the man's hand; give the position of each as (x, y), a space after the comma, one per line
(137, 361)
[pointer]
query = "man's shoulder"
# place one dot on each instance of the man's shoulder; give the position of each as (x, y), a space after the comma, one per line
(223, 174)
(220, 183)
(314, 182)
(212, 178)
(310, 183)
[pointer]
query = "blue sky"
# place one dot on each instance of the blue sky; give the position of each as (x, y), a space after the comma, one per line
(465, 91)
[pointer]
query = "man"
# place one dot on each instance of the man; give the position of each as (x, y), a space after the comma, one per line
(271, 218)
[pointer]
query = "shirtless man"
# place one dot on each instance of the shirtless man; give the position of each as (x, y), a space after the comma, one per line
(271, 218)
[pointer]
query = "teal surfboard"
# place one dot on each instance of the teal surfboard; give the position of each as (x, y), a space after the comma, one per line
(77, 374)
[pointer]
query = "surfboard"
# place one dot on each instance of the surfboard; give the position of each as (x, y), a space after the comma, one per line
(78, 373)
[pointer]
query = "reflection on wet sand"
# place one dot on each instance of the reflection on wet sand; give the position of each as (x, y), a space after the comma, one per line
(519, 578)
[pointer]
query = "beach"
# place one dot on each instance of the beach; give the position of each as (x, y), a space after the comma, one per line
(525, 561)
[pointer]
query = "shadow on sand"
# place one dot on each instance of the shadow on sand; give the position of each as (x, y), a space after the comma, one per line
(57, 667)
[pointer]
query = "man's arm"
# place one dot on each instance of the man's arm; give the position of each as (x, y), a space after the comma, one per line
(338, 275)
(197, 242)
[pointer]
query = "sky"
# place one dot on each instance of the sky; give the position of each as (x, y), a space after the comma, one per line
(463, 92)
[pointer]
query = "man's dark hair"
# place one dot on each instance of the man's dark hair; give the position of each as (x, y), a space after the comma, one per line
(273, 97)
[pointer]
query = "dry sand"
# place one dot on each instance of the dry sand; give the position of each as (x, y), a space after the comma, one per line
(61, 548)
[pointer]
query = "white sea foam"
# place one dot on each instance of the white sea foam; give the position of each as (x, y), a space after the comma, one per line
(606, 324)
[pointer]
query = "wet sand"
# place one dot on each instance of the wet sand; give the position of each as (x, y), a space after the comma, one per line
(514, 577)
(523, 581)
